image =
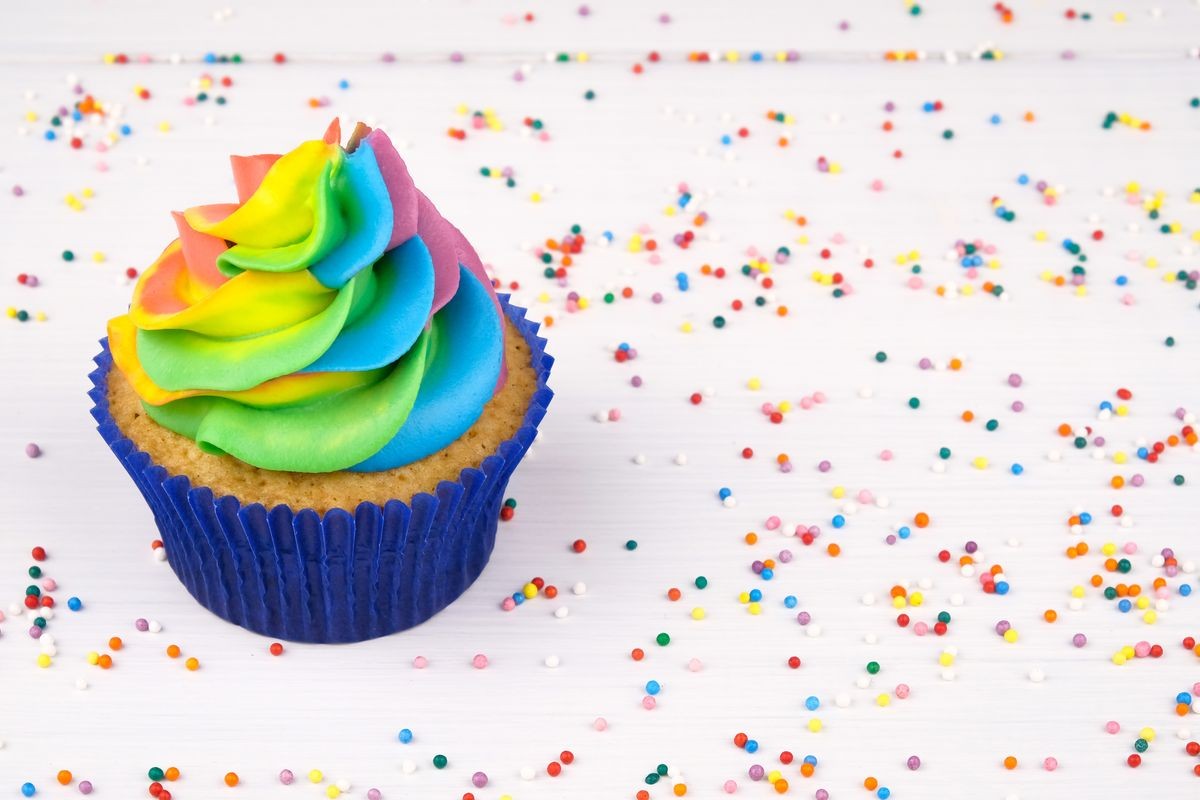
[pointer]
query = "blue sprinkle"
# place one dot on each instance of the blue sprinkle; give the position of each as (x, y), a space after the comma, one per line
(767, 573)
(1106, 406)
(790, 601)
(518, 598)
(1023, 179)
(884, 793)
(1185, 589)
(653, 687)
(756, 56)
(77, 115)
(1122, 280)
(684, 199)
(812, 703)
(210, 58)
(50, 137)
(1184, 697)
(126, 130)
(343, 84)
(1085, 518)
(1124, 606)
(608, 235)
(28, 789)
(623, 346)
(1001, 587)
(1017, 469)
(810, 760)
(405, 736)
(838, 521)
(927, 107)
(755, 595)
(727, 139)
(994, 119)
(751, 746)
(1142, 452)
(904, 532)
(724, 492)
(74, 603)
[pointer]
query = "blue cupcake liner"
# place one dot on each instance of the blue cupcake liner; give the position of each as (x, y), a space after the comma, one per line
(338, 577)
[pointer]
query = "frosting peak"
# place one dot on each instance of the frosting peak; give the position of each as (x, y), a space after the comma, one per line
(330, 319)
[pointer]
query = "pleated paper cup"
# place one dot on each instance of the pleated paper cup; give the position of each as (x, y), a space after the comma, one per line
(343, 576)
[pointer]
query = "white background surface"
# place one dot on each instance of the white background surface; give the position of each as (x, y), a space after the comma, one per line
(613, 164)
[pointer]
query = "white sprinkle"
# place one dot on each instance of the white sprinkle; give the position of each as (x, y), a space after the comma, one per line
(561, 612)
(948, 674)
(1075, 603)
(956, 599)
(552, 662)
(863, 681)
(639, 459)
(730, 502)
(813, 631)
(1037, 675)
(866, 392)
(842, 700)
(871, 638)
(408, 766)
(80, 684)
(527, 773)
(868, 599)
(579, 588)
(160, 554)
(681, 459)
(154, 626)
(343, 784)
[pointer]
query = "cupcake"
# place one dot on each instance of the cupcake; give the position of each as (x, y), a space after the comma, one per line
(321, 397)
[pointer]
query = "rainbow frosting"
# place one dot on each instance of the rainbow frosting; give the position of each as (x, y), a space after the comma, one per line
(331, 319)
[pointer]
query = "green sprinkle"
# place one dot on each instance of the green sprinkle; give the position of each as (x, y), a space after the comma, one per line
(511, 502)
(1080, 442)
(589, 95)
(947, 134)
(914, 402)
(873, 667)
(1169, 341)
(702, 582)
(652, 778)
(718, 322)
(881, 356)
(155, 774)
(662, 770)
(992, 424)
(1179, 480)
(631, 544)
(609, 297)
(944, 617)
(67, 255)
(944, 453)
(35, 572)
(663, 639)
(440, 761)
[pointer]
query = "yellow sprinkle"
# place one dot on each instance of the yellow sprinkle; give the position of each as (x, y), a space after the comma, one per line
(1077, 591)
(979, 462)
(536, 197)
(744, 597)
(1010, 635)
(315, 776)
(1120, 457)
(838, 492)
(584, 303)
(583, 58)
(31, 116)
(754, 608)
(461, 109)
(1080, 291)
(164, 126)
(98, 257)
(1122, 410)
(686, 327)
(754, 384)
(883, 700)
(110, 58)
(332, 791)
(1148, 734)
(946, 659)
(967, 289)
(1152, 262)
(43, 661)
(1040, 236)
(698, 613)
(916, 598)
(899, 602)
(1118, 659)
(544, 297)
(814, 725)
(40, 316)
(803, 239)
(732, 56)
(93, 658)
(773, 776)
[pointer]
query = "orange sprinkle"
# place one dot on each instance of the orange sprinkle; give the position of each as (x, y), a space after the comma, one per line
(674, 594)
(231, 779)
(921, 519)
(105, 661)
(1051, 615)
(64, 776)
(834, 549)
(967, 416)
(870, 783)
(172, 774)
(1010, 762)
(173, 650)
(751, 538)
(115, 643)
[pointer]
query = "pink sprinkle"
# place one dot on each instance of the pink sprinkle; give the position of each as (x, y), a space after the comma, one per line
(32, 450)
(1141, 649)
(614, 414)
(420, 662)
(49, 584)
(480, 661)
(877, 185)
(1130, 548)
(1112, 726)
(902, 691)
(915, 282)
(695, 665)
(600, 724)
(1051, 764)
(920, 629)
(806, 402)
(655, 259)
(508, 604)
(865, 496)
(648, 703)
(819, 397)
(886, 455)
(773, 522)
(730, 787)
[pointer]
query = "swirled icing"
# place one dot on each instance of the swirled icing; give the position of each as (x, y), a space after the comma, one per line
(331, 319)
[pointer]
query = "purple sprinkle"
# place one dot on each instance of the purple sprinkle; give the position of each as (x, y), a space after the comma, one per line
(889, 106)
(656, 297)
(1018, 406)
(1068, 55)
(584, 11)
(785, 466)
(374, 794)
(914, 762)
(1137, 479)
(1167, 552)
(824, 466)
(141, 624)
(971, 546)
(1014, 379)
(924, 363)
(821, 794)
(664, 18)
(1003, 626)
(804, 618)
(793, 55)
(388, 58)
(17, 190)
(1079, 640)
(890, 538)
(814, 530)
(843, 25)
(636, 380)
(756, 772)
(32, 450)
(632, 353)
(757, 567)
(35, 632)
(85, 787)
(518, 76)
(285, 776)
(457, 57)
(1098, 441)
(1180, 412)
(785, 556)
(479, 780)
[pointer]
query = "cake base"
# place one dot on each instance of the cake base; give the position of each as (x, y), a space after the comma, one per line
(226, 475)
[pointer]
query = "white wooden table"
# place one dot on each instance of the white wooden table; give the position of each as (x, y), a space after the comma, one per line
(613, 164)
